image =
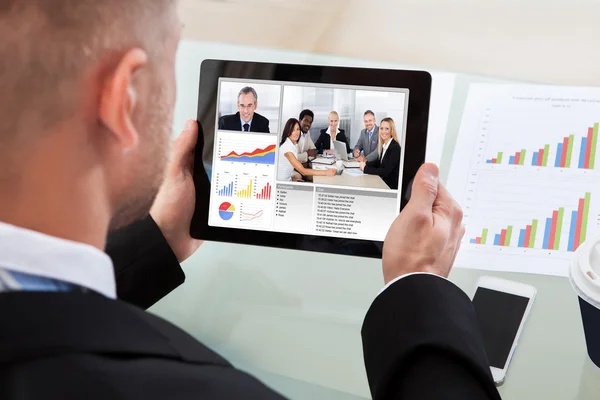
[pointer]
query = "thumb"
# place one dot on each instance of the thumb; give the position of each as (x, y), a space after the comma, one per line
(425, 188)
(185, 143)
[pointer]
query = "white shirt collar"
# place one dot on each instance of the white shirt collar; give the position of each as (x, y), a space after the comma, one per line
(386, 145)
(329, 130)
(35, 253)
(290, 142)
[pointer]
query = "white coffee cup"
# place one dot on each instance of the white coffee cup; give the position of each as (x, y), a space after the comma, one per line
(584, 275)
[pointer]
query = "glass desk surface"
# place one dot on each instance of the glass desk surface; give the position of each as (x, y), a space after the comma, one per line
(293, 319)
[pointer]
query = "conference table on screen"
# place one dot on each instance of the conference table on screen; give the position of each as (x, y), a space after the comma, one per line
(346, 179)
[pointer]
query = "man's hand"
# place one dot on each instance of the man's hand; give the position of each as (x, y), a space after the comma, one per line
(331, 172)
(312, 153)
(174, 205)
(426, 235)
(356, 153)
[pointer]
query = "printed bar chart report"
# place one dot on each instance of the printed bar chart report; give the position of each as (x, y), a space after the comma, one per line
(576, 224)
(570, 152)
(524, 171)
(527, 214)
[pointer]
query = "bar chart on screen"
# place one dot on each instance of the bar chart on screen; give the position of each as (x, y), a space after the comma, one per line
(225, 184)
(535, 218)
(245, 185)
(263, 191)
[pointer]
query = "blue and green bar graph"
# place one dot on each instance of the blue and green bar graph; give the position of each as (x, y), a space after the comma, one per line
(565, 156)
(552, 230)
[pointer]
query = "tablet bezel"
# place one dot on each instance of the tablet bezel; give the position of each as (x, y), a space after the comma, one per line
(417, 82)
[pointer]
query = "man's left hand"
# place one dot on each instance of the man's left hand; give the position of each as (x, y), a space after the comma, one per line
(174, 205)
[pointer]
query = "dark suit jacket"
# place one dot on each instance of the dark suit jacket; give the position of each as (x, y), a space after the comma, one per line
(388, 168)
(420, 340)
(324, 141)
(233, 123)
(85, 346)
(366, 145)
(146, 269)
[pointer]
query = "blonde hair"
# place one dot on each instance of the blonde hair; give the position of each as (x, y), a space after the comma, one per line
(336, 114)
(394, 133)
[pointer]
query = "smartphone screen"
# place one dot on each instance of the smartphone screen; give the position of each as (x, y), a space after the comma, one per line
(499, 315)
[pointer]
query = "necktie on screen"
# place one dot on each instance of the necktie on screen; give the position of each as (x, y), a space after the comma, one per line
(246, 127)
(14, 281)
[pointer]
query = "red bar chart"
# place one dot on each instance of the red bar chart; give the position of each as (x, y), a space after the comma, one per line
(265, 193)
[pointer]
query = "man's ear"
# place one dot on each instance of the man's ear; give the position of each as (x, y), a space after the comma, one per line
(119, 98)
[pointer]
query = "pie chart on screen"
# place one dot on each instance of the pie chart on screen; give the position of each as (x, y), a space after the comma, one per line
(226, 211)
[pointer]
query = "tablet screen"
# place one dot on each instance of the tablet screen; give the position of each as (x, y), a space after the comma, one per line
(276, 142)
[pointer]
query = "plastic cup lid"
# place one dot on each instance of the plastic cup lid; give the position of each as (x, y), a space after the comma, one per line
(585, 271)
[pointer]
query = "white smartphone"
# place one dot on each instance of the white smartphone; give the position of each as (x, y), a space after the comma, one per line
(502, 308)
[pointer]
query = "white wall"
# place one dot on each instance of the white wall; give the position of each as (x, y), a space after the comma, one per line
(546, 41)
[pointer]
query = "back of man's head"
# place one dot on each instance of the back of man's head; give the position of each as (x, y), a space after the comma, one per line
(87, 86)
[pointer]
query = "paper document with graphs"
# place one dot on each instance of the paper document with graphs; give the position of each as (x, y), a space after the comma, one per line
(526, 171)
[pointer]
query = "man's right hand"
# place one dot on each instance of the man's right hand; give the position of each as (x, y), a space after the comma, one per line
(356, 153)
(426, 235)
(312, 153)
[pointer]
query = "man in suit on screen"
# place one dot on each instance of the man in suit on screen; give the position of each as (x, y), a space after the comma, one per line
(368, 141)
(246, 119)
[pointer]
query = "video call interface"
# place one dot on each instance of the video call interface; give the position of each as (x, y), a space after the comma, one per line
(300, 158)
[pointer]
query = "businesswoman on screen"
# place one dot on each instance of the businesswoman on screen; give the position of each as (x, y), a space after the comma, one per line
(387, 164)
(324, 143)
(287, 158)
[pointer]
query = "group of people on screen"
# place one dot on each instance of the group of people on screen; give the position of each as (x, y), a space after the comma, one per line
(377, 149)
